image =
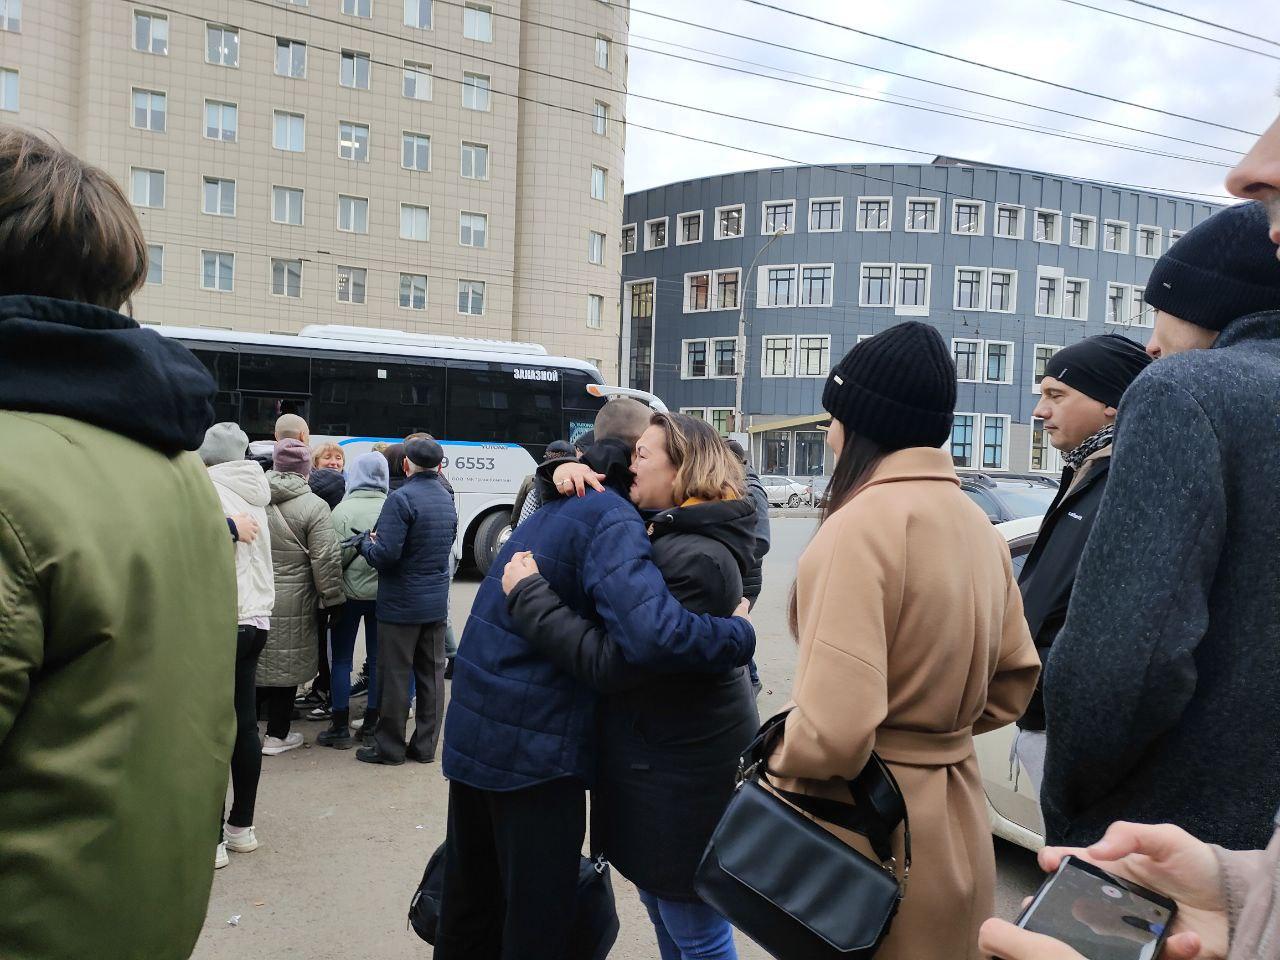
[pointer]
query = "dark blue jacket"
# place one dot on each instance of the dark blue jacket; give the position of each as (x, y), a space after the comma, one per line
(415, 535)
(515, 720)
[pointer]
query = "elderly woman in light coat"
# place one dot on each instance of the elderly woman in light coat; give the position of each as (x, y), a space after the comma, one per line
(308, 570)
(911, 635)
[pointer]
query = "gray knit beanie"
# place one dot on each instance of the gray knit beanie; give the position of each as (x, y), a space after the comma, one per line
(223, 442)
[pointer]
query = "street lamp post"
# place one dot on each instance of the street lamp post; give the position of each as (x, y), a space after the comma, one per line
(742, 332)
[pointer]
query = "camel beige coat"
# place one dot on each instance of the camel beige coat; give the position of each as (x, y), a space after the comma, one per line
(912, 640)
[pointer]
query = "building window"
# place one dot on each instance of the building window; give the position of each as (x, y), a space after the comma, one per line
(689, 228)
(221, 121)
(1175, 236)
(727, 289)
(150, 109)
(595, 248)
(477, 23)
(602, 52)
(1142, 313)
(222, 45)
(813, 356)
(1044, 458)
(476, 91)
(874, 213)
(218, 270)
(729, 222)
(146, 187)
(415, 222)
(417, 14)
(417, 80)
(695, 360)
(286, 205)
(219, 197)
(777, 357)
(698, 413)
(1048, 291)
(352, 282)
(286, 278)
(962, 440)
(994, 430)
(471, 298)
(817, 285)
(355, 70)
(826, 215)
(416, 152)
(779, 286)
(999, 362)
(1082, 231)
(1043, 354)
(967, 355)
(721, 419)
(598, 177)
(922, 215)
(1075, 302)
(11, 15)
(155, 264)
(9, 90)
(1009, 221)
(967, 217)
(358, 8)
(969, 288)
(1117, 304)
(779, 215)
(151, 33)
(289, 132)
(1048, 226)
(595, 312)
(475, 161)
(875, 288)
(1149, 242)
(1115, 236)
(629, 238)
(353, 142)
(655, 233)
(291, 58)
(353, 214)
(913, 288)
(1002, 290)
(725, 352)
(413, 291)
(600, 119)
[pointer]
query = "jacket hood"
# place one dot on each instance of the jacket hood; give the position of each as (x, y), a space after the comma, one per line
(286, 486)
(368, 472)
(244, 478)
(731, 522)
(98, 366)
(613, 459)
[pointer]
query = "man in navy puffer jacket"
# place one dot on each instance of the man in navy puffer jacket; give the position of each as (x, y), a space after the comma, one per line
(518, 746)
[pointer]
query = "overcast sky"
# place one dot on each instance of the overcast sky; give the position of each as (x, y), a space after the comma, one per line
(1049, 39)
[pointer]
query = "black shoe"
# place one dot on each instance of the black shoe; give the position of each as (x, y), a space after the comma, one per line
(372, 755)
(368, 726)
(448, 669)
(320, 713)
(411, 754)
(338, 735)
(312, 698)
(360, 688)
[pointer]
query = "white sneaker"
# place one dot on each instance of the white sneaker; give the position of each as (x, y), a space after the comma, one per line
(220, 858)
(273, 746)
(413, 705)
(246, 841)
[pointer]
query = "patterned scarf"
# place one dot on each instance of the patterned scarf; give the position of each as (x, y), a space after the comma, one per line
(1091, 446)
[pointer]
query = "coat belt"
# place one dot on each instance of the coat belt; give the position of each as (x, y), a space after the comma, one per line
(924, 748)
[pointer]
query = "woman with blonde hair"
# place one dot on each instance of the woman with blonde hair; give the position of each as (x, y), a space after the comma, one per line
(668, 745)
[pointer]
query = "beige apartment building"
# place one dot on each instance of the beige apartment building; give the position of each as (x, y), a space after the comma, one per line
(434, 166)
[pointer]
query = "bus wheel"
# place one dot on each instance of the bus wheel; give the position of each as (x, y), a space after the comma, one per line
(491, 534)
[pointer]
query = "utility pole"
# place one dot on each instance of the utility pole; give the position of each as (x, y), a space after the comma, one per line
(738, 424)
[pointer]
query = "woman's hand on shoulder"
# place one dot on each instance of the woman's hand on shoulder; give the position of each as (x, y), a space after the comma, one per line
(743, 609)
(574, 478)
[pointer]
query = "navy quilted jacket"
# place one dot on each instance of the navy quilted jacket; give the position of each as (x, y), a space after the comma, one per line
(515, 720)
(415, 537)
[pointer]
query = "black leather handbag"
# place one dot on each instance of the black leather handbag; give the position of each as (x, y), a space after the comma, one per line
(793, 887)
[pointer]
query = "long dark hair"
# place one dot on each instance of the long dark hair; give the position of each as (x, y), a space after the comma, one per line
(858, 457)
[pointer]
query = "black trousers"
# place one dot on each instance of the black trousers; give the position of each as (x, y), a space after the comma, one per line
(511, 872)
(246, 755)
(278, 702)
(404, 650)
(325, 618)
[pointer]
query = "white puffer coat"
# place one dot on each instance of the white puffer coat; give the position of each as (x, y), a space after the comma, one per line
(242, 488)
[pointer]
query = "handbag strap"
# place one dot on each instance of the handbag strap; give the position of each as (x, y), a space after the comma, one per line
(289, 530)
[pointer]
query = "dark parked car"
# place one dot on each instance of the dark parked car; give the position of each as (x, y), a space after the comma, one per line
(1010, 497)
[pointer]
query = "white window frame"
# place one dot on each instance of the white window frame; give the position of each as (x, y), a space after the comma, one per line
(271, 278)
(1022, 221)
(484, 296)
(600, 119)
(484, 15)
(5, 74)
(862, 202)
(688, 291)
(762, 286)
(355, 207)
(1035, 349)
(684, 358)
(356, 56)
(800, 284)
(595, 304)
(974, 442)
(623, 239)
(592, 246)
(1144, 309)
(666, 234)
(222, 47)
(302, 208)
(1084, 317)
(474, 145)
(764, 217)
(414, 208)
(980, 362)
(1159, 247)
(742, 220)
(711, 358)
(699, 413)
(1053, 456)
(1116, 223)
(912, 310)
(603, 52)
(934, 202)
(680, 218)
(1057, 222)
(405, 135)
(222, 105)
(221, 182)
(157, 262)
(426, 291)
(355, 12)
(164, 188)
(151, 111)
(483, 215)
(980, 441)
(150, 51)
(305, 58)
(477, 91)
(1127, 299)
(604, 183)
(1052, 273)
(350, 301)
(11, 17)
(715, 288)
(839, 202)
(1175, 236)
(368, 141)
(1008, 367)
(416, 22)
(791, 356)
(419, 71)
(215, 288)
(982, 216)
(812, 336)
(982, 288)
(1093, 231)
(289, 115)
(1013, 289)
(893, 286)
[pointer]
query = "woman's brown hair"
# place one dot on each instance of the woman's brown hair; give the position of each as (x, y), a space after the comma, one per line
(705, 469)
(324, 450)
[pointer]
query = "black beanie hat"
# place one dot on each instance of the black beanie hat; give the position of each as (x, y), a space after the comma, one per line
(1221, 270)
(897, 388)
(1099, 367)
(424, 453)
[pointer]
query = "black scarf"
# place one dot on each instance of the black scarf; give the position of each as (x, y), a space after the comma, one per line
(1091, 446)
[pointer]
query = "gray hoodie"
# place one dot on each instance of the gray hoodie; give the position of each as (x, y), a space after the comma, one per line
(242, 488)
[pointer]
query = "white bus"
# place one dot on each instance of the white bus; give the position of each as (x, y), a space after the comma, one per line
(493, 405)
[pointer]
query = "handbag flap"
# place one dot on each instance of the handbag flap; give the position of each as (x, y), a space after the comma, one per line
(830, 888)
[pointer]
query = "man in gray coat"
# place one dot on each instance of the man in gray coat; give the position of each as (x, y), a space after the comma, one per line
(1160, 690)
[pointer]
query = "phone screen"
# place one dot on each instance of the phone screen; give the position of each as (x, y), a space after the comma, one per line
(1100, 916)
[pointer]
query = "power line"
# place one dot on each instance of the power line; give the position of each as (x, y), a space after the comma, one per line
(1207, 23)
(986, 66)
(1171, 29)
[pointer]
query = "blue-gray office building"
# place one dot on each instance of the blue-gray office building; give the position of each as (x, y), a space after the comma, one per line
(1009, 265)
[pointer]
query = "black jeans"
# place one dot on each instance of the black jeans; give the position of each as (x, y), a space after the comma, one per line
(404, 650)
(246, 755)
(325, 618)
(279, 705)
(511, 871)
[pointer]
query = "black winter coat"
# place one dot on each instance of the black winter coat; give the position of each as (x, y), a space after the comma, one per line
(329, 485)
(1050, 570)
(668, 744)
(753, 579)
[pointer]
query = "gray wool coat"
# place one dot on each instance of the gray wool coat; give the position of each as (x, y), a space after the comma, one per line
(307, 561)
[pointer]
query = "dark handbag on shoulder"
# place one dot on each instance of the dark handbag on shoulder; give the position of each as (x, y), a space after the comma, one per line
(793, 887)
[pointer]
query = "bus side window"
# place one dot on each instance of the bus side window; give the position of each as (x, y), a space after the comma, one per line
(487, 402)
(383, 397)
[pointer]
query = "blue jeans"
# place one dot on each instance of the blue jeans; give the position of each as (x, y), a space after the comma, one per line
(345, 627)
(689, 930)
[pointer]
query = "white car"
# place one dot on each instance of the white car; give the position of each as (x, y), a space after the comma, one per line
(1014, 808)
(783, 491)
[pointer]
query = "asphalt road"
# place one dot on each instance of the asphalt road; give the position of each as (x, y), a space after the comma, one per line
(343, 843)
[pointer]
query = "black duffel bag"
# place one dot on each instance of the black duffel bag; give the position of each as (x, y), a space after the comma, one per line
(793, 887)
(595, 926)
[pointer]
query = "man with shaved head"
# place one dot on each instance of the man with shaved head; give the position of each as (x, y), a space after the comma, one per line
(290, 426)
